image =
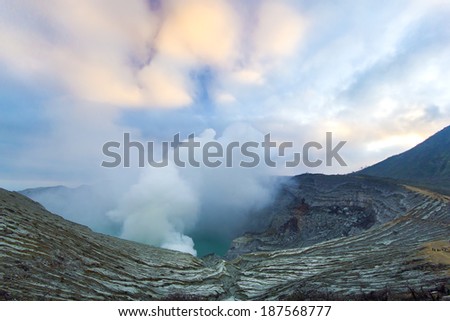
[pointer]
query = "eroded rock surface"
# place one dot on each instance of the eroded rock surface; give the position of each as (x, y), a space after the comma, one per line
(45, 257)
(400, 252)
(314, 208)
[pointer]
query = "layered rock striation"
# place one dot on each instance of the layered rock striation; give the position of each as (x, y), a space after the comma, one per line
(396, 247)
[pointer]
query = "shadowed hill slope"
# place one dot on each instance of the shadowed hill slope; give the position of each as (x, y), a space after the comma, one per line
(427, 164)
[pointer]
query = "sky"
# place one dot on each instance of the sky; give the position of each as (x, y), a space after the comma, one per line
(77, 74)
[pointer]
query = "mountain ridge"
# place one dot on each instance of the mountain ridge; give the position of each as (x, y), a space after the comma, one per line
(426, 165)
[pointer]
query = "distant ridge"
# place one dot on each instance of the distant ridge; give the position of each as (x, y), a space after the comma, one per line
(426, 165)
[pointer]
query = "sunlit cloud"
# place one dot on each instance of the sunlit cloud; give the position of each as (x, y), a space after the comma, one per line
(367, 72)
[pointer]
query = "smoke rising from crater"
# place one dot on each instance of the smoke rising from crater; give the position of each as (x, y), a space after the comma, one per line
(157, 209)
(166, 203)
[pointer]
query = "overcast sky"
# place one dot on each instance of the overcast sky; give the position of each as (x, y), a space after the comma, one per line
(75, 74)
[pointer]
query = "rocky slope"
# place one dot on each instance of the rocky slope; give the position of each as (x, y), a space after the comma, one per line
(44, 257)
(392, 260)
(398, 254)
(313, 208)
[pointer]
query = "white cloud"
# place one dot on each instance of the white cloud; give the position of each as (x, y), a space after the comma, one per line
(126, 55)
(278, 32)
(199, 31)
(165, 85)
(224, 98)
(248, 76)
(269, 60)
(398, 141)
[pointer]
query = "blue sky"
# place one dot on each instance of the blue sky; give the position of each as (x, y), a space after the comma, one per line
(77, 74)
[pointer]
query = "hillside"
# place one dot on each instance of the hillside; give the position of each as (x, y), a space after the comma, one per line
(44, 257)
(313, 208)
(427, 164)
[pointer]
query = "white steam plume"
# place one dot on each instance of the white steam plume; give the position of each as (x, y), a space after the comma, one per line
(170, 201)
(158, 209)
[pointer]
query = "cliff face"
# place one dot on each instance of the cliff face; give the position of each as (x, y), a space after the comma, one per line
(396, 252)
(391, 260)
(314, 208)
